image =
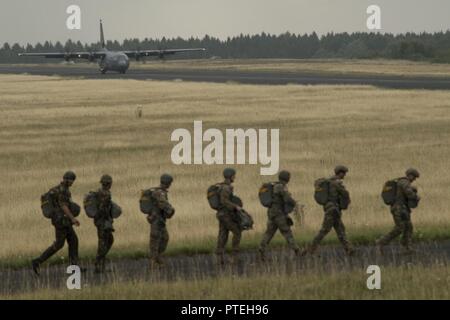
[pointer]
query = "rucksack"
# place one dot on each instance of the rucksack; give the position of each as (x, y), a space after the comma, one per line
(74, 208)
(245, 220)
(213, 196)
(48, 204)
(321, 190)
(116, 210)
(265, 194)
(90, 204)
(389, 192)
(147, 202)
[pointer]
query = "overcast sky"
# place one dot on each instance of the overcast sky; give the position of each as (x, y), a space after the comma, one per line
(30, 21)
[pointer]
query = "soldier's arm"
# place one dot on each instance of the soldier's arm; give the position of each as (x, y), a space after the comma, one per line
(342, 191)
(63, 202)
(161, 200)
(285, 194)
(408, 190)
(225, 198)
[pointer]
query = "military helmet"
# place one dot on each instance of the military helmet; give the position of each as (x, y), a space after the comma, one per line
(166, 179)
(340, 169)
(228, 173)
(412, 172)
(69, 175)
(106, 179)
(284, 176)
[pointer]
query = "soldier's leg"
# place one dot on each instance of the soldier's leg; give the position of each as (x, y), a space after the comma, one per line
(339, 227)
(155, 238)
(164, 240)
(102, 249)
(268, 235)
(222, 238)
(236, 240)
(327, 225)
(72, 241)
(395, 232)
(60, 238)
(286, 231)
(407, 231)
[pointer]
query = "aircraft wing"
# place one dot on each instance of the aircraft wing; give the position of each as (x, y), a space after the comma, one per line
(66, 55)
(159, 53)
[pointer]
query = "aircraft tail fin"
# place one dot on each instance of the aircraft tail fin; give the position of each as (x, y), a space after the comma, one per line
(102, 37)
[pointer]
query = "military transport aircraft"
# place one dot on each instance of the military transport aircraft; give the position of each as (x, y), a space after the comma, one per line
(110, 60)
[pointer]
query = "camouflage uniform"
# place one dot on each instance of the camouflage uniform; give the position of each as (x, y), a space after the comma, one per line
(228, 221)
(103, 220)
(63, 227)
(401, 214)
(333, 215)
(277, 219)
(159, 237)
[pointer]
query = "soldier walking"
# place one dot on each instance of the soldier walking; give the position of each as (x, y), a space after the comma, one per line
(338, 200)
(406, 196)
(278, 218)
(228, 219)
(103, 221)
(162, 210)
(63, 221)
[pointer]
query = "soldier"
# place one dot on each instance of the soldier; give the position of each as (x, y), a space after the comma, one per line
(228, 219)
(338, 195)
(277, 218)
(163, 210)
(401, 212)
(63, 221)
(103, 220)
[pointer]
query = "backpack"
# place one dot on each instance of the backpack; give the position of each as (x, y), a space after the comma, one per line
(147, 201)
(389, 192)
(116, 210)
(90, 204)
(321, 190)
(265, 194)
(74, 208)
(245, 220)
(213, 196)
(47, 204)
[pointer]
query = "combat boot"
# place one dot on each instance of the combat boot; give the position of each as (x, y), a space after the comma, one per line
(409, 251)
(262, 254)
(350, 251)
(220, 260)
(36, 266)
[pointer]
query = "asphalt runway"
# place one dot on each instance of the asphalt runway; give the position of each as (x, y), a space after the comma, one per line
(203, 266)
(221, 76)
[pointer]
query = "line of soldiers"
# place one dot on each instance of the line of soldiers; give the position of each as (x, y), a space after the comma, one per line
(63, 220)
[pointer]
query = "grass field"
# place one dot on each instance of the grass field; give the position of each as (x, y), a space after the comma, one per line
(396, 283)
(52, 124)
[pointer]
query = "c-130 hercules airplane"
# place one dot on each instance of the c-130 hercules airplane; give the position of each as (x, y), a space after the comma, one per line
(110, 60)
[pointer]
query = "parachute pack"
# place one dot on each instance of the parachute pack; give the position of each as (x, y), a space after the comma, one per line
(321, 190)
(47, 204)
(213, 196)
(91, 206)
(265, 194)
(389, 192)
(49, 209)
(147, 202)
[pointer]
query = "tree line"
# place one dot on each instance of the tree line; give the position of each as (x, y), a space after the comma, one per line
(433, 47)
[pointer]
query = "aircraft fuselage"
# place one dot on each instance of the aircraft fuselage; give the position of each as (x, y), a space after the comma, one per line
(114, 61)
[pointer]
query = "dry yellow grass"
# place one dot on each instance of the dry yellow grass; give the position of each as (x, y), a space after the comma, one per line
(51, 124)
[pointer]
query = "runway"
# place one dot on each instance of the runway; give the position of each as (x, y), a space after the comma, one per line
(245, 77)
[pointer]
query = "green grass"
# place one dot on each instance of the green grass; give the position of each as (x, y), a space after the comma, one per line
(417, 282)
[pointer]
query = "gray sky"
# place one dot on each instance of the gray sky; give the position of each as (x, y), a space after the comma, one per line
(32, 21)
